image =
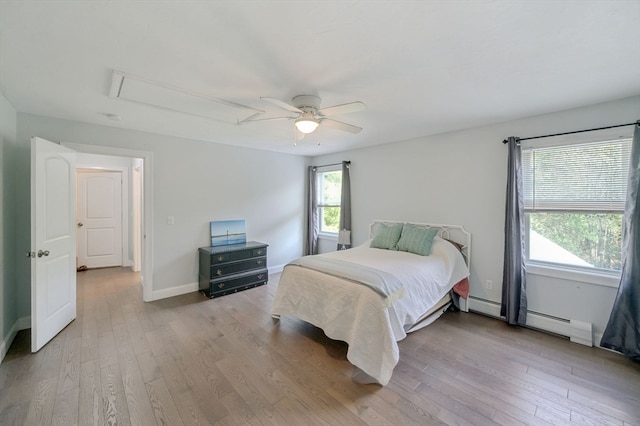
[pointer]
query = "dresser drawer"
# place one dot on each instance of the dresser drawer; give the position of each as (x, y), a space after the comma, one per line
(232, 256)
(228, 269)
(222, 286)
(222, 269)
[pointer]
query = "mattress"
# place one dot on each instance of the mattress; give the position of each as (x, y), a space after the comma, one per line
(348, 311)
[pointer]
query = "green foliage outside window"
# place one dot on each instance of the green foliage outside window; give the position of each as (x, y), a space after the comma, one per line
(594, 237)
(329, 203)
(331, 219)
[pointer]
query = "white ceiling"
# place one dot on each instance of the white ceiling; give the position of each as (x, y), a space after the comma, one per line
(421, 67)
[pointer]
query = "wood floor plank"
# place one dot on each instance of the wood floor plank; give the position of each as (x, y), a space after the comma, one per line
(69, 377)
(138, 402)
(149, 367)
(90, 399)
(324, 406)
(107, 349)
(239, 412)
(605, 399)
(164, 407)
(89, 339)
(14, 414)
(194, 411)
(197, 361)
(242, 378)
(116, 410)
(111, 380)
(65, 408)
(136, 333)
(40, 410)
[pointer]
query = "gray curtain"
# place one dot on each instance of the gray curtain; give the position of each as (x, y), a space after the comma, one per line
(622, 333)
(344, 234)
(514, 296)
(311, 244)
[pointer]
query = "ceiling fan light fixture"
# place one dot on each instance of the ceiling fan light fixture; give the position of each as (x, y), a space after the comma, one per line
(306, 124)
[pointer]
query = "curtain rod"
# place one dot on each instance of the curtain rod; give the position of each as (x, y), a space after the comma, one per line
(576, 131)
(334, 164)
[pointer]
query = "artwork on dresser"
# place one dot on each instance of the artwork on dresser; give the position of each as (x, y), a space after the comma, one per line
(228, 232)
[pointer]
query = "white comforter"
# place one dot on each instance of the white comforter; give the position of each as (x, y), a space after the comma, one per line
(356, 314)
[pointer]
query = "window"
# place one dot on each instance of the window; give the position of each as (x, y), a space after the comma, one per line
(574, 196)
(329, 192)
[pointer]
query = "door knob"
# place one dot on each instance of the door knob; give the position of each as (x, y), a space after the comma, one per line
(80, 224)
(43, 253)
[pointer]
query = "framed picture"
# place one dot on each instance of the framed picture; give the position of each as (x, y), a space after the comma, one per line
(228, 232)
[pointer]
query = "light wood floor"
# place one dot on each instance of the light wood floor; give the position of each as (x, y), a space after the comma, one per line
(190, 360)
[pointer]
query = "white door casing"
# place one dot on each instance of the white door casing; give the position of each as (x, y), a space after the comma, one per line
(53, 240)
(147, 206)
(99, 216)
(136, 209)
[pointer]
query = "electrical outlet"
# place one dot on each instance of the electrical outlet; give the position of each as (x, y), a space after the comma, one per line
(170, 220)
(488, 285)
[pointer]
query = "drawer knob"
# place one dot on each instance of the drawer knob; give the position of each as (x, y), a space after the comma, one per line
(219, 272)
(220, 258)
(221, 285)
(259, 262)
(260, 276)
(260, 252)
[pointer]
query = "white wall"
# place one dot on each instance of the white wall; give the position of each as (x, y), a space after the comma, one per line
(8, 290)
(195, 182)
(460, 178)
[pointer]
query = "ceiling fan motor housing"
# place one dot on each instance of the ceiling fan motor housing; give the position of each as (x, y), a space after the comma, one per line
(307, 103)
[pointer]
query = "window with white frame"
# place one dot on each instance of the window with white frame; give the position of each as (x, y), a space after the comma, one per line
(574, 196)
(329, 192)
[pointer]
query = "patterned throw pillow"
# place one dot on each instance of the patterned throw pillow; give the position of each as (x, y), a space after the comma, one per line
(387, 236)
(417, 240)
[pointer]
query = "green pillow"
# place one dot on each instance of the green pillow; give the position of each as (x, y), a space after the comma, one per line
(417, 240)
(387, 236)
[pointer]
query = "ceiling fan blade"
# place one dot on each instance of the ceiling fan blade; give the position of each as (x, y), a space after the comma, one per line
(283, 105)
(266, 119)
(341, 126)
(343, 109)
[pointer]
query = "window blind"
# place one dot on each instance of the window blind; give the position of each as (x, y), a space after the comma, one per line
(578, 177)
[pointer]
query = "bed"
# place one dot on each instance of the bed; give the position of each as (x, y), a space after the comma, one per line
(372, 295)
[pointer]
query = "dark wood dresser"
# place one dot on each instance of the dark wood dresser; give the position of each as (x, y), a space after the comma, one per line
(232, 268)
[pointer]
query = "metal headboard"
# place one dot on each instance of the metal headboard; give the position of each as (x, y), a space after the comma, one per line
(455, 233)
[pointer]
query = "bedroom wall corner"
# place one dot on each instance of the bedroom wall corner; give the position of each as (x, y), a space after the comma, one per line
(8, 249)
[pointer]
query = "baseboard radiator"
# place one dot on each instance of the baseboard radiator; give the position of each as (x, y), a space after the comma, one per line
(577, 331)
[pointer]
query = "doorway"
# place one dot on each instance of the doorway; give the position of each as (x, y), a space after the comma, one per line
(139, 238)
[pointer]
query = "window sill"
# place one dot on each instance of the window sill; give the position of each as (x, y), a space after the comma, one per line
(327, 236)
(607, 279)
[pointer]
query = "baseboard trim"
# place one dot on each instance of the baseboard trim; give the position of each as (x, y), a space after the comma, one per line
(175, 291)
(597, 338)
(577, 331)
(7, 340)
(276, 269)
(20, 324)
(24, 323)
(483, 306)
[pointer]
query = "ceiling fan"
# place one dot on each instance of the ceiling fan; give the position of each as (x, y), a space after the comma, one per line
(309, 115)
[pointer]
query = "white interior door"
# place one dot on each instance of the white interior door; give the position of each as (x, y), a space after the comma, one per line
(99, 218)
(53, 240)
